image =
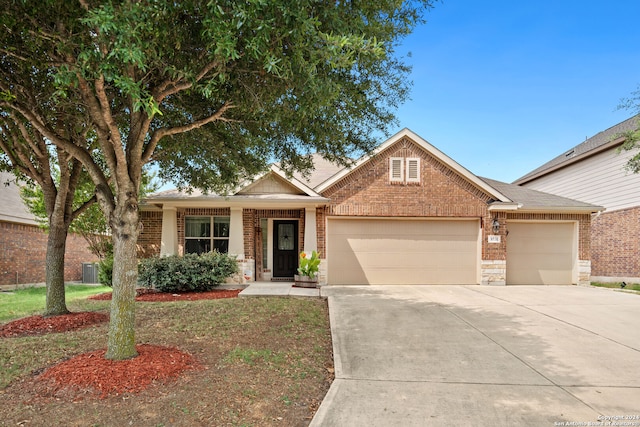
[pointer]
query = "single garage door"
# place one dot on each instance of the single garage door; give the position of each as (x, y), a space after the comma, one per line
(393, 251)
(540, 253)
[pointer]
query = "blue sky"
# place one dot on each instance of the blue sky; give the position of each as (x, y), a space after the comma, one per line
(504, 86)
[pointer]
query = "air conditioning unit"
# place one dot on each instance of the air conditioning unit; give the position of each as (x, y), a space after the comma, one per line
(89, 272)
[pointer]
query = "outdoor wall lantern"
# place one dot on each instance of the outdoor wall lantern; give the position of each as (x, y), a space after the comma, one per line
(495, 226)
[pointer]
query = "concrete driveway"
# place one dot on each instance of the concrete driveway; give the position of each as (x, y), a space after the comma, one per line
(483, 356)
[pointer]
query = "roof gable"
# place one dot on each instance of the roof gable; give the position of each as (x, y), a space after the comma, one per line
(279, 180)
(270, 183)
(427, 147)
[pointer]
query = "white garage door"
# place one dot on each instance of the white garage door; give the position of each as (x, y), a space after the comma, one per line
(392, 251)
(540, 253)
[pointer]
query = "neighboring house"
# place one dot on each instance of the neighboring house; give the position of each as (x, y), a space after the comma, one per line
(406, 214)
(23, 244)
(594, 172)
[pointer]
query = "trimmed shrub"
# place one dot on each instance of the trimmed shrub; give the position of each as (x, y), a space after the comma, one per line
(188, 273)
(105, 270)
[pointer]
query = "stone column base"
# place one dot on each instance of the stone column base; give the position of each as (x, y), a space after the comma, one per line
(493, 272)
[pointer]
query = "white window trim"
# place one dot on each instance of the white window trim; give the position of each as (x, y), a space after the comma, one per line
(415, 178)
(399, 161)
(211, 238)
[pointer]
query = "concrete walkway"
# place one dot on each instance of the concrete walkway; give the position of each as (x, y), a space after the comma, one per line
(278, 289)
(483, 356)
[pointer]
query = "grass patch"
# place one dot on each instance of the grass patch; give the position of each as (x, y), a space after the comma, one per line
(252, 356)
(29, 301)
(265, 363)
(618, 285)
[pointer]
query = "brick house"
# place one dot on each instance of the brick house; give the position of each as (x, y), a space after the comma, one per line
(405, 214)
(594, 171)
(23, 244)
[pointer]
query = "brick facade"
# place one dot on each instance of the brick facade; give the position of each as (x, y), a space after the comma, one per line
(615, 244)
(23, 250)
(150, 240)
(443, 193)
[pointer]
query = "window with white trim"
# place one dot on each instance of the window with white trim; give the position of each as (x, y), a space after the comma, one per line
(413, 169)
(203, 234)
(396, 169)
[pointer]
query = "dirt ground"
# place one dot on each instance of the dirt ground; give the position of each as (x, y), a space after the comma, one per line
(243, 379)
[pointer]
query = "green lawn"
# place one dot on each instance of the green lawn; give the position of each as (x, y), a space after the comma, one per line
(618, 285)
(30, 301)
(265, 362)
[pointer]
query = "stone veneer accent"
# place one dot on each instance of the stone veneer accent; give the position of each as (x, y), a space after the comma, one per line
(493, 272)
(584, 273)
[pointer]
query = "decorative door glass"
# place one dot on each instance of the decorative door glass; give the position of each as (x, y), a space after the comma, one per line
(285, 237)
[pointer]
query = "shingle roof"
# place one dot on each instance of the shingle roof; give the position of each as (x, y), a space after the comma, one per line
(590, 145)
(537, 200)
(11, 206)
(322, 170)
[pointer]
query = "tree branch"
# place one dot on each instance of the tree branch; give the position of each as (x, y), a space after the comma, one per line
(86, 205)
(79, 152)
(161, 133)
(169, 87)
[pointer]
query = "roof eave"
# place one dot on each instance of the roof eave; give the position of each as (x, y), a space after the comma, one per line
(611, 144)
(502, 206)
(561, 209)
(240, 201)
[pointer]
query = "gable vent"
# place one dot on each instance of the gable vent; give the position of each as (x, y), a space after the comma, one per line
(396, 172)
(413, 170)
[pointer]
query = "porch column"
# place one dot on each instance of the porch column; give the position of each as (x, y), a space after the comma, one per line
(310, 234)
(236, 233)
(169, 239)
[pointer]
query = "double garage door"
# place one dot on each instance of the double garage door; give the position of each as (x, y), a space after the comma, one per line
(393, 251)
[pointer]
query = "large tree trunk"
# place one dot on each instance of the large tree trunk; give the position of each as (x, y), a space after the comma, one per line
(56, 244)
(125, 228)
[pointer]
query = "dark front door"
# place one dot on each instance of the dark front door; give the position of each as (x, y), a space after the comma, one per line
(285, 249)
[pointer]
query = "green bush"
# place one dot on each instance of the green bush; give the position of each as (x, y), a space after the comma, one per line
(188, 273)
(105, 270)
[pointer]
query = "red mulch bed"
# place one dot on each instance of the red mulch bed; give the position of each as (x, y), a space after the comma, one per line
(90, 374)
(94, 375)
(154, 296)
(39, 325)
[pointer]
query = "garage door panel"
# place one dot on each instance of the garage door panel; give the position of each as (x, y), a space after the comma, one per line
(373, 244)
(540, 253)
(391, 251)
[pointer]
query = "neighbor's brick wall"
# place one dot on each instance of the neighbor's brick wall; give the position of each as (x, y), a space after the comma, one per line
(615, 244)
(23, 250)
(150, 240)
